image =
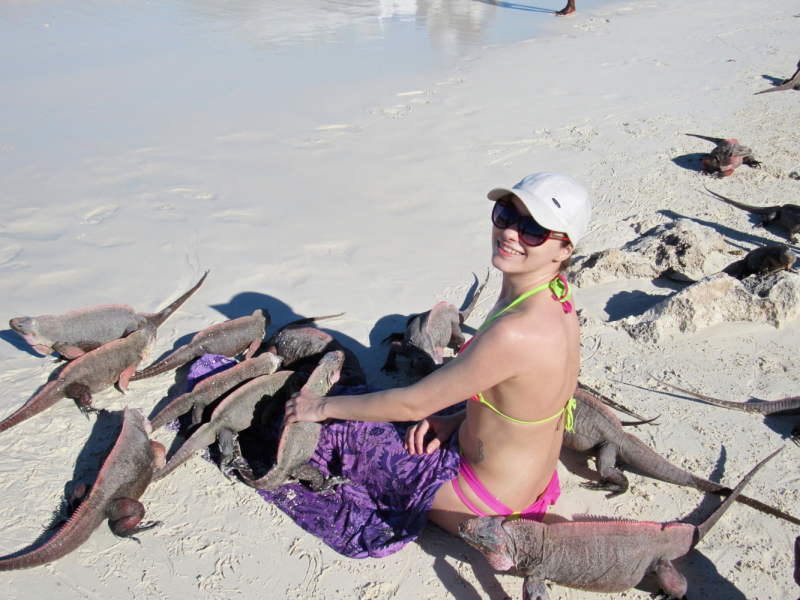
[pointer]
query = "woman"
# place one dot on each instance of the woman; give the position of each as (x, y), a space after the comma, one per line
(521, 369)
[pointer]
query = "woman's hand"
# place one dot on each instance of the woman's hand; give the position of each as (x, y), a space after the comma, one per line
(304, 406)
(442, 427)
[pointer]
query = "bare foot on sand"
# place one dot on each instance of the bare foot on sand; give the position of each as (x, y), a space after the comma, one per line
(569, 9)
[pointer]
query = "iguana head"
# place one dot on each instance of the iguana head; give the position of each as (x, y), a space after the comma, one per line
(326, 374)
(488, 535)
(27, 328)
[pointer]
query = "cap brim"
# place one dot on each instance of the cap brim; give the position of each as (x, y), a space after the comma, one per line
(535, 205)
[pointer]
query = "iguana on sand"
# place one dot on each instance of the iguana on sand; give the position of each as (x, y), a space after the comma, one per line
(208, 390)
(596, 429)
(781, 407)
(787, 215)
(301, 348)
(89, 374)
(299, 440)
(762, 261)
(123, 478)
(235, 413)
(427, 334)
(228, 339)
(793, 83)
(728, 155)
(605, 556)
(80, 331)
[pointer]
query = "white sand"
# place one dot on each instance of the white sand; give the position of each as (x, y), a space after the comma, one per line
(143, 144)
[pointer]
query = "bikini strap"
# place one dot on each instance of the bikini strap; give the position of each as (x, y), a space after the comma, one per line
(561, 292)
(569, 418)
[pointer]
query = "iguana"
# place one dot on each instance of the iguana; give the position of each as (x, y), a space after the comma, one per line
(299, 440)
(793, 83)
(596, 429)
(228, 339)
(781, 407)
(605, 556)
(428, 333)
(90, 373)
(762, 261)
(235, 413)
(787, 215)
(728, 155)
(301, 348)
(123, 478)
(80, 331)
(208, 390)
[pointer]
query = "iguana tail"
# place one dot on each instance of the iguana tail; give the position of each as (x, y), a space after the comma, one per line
(463, 315)
(706, 526)
(158, 319)
(178, 358)
(49, 395)
(203, 437)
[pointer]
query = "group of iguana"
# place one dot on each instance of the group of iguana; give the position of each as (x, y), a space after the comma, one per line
(299, 356)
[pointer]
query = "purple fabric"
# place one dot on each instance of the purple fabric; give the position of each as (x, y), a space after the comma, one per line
(386, 505)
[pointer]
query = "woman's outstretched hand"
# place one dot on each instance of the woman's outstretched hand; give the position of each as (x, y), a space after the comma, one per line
(441, 427)
(304, 406)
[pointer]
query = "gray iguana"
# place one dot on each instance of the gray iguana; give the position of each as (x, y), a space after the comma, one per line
(762, 261)
(299, 440)
(597, 430)
(606, 556)
(89, 374)
(208, 390)
(80, 331)
(123, 478)
(793, 83)
(781, 407)
(427, 334)
(235, 413)
(228, 339)
(301, 347)
(788, 215)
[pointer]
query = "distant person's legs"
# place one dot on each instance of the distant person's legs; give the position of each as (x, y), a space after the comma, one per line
(569, 9)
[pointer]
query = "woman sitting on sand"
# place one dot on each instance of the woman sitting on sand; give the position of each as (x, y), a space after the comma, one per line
(498, 455)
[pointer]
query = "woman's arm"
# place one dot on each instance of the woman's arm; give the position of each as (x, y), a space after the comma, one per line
(484, 364)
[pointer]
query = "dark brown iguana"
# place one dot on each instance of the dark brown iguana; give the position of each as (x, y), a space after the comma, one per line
(302, 347)
(781, 407)
(787, 215)
(606, 556)
(235, 413)
(80, 331)
(596, 429)
(728, 155)
(427, 334)
(762, 261)
(208, 390)
(299, 440)
(123, 478)
(793, 83)
(89, 374)
(228, 339)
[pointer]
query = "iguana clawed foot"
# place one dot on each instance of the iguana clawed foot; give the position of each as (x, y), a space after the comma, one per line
(605, 486)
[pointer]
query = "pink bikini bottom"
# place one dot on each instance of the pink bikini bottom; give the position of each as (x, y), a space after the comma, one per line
(535, 512)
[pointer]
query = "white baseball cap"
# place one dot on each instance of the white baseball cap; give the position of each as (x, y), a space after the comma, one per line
(555, 200)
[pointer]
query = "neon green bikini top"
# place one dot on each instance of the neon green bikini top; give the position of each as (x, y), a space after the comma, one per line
(561, 292)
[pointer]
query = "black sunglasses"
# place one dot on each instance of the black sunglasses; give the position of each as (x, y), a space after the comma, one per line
(504, 215)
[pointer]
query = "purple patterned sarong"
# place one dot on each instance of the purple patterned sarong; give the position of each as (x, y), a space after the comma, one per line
(386, 505)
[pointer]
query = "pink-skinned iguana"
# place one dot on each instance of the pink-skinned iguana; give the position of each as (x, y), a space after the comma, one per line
(123, 478)
(93, 372)
(606, 556)
(80, 331)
